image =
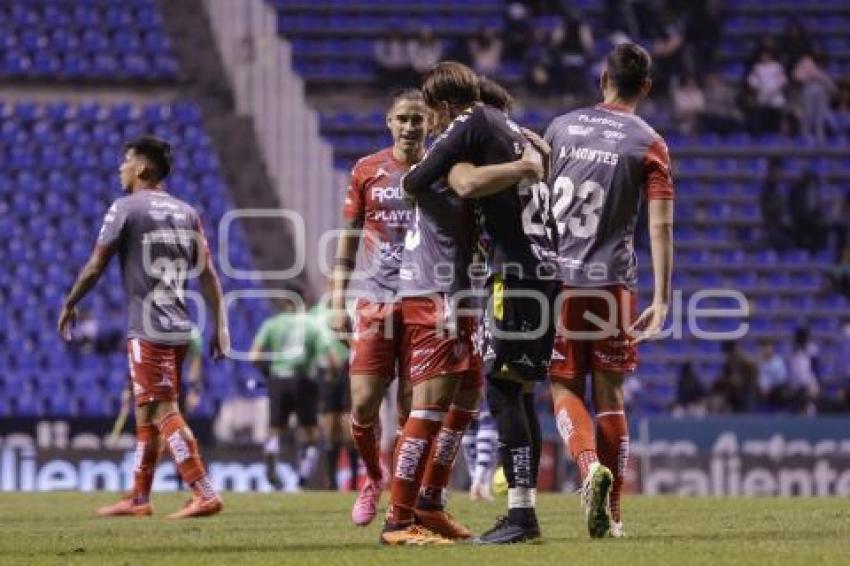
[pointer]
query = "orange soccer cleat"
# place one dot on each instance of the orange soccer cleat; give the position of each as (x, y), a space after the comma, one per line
(411, 534)
(126, 507)
(442, 523)
(198, 507)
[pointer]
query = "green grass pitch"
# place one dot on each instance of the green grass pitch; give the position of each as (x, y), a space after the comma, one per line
(314, 528)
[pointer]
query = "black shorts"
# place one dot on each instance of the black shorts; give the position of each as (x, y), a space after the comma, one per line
(530, 320)
(334, 392)
(294, 394)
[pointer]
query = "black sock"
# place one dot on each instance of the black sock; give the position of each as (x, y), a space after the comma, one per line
(515, 441)
(331, 459)
(353, 465)
(533, 421)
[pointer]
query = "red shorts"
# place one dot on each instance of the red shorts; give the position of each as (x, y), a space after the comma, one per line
(574, 356)
(155, 370)
(433, 349)
(377, 340)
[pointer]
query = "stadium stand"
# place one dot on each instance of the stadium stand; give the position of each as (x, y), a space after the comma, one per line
(719, 236)
(60, 163)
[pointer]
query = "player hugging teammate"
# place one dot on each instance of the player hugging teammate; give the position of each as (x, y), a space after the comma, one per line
(560, 253)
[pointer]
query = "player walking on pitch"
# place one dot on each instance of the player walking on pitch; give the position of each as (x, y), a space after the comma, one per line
(376, 212)
(604, 161)
(160, 244)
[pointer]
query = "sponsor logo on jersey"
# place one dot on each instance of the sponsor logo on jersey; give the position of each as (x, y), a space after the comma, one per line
(392, 217)
(381, 194)
(557, 355)
(600, 120)
(578, 130)
(613, 135)
(524, 360)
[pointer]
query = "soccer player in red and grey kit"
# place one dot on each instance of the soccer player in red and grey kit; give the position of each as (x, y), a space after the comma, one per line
(160, 243)
(376, 211)
(445, 368)
(604, 161)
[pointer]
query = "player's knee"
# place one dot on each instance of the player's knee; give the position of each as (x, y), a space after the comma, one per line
(502, 394)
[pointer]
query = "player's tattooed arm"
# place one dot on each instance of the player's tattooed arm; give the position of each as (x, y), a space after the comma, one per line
(344, 262)
(469, 181)
(86, 280)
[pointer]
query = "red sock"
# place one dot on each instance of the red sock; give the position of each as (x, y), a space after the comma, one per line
(366, 439)
(576, 428)
(612, 434)
(146, 458)
(438, 470)
(184, 450)
(412, 452)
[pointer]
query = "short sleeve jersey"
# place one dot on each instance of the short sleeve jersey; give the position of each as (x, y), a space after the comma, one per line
(515, 220)
(439, 244)
(374, 202)
(292, 343)
(604, 162)
(160, 244)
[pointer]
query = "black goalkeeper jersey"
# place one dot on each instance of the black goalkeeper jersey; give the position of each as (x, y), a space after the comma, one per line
(517, 222)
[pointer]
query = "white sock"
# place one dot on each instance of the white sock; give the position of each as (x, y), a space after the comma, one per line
(522, 497)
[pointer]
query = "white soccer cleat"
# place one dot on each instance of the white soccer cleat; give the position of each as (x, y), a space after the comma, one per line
(595, 499)
(617, 530)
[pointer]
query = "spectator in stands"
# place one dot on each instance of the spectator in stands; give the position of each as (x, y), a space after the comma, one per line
(688, 104)
(767, 81)
(485, 51)
(817, 87)
(392, 56)
(668, 50)
(773, 377)
(426, 50)
(806, 214)
(839, 275)
(702, 35)
(794, 43)
(773, 210)
(572, 42)
(721, 114)
(690, 393)
(518, 29)
(802, 373)
(738, 382)
(540, 62)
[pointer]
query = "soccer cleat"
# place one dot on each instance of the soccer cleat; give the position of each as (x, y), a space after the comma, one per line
(442, 523)
(595, 496)
(197, 507)
(410, 534)
(126, 508)
(366, 505)
(507, 532)
(617, 530)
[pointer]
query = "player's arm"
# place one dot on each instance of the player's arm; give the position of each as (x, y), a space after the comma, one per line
(470, 181)
(659, 187)
(86, 280)
(258, 347)
(354, 213)
(214, 299)
(447, 150)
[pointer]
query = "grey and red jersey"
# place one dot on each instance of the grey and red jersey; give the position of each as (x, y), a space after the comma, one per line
(439, 244)
(160, 245)
(514, 220)
(374, 201)
(605, 160)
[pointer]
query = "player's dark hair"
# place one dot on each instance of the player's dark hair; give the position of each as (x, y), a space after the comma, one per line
(495, 95)
(451, 82)
(156, 151)
(629, 66)
(411, 94)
